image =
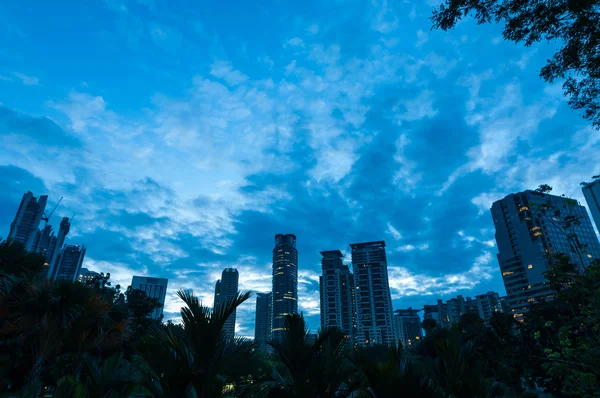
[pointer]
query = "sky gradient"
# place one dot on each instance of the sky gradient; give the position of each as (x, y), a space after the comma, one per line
(186, 134)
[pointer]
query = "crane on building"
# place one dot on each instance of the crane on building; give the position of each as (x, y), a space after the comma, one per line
(46, 217)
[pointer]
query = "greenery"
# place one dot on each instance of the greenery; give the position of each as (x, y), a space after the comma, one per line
(62, 339)
(573, 25)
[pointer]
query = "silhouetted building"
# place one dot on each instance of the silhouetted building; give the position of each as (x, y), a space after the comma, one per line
(336, 287)
(374, 318)
(591, 192)
(154, 288)
(285, 282)
(487, 304)
(527, 236)
(68, 263)
(408, 327)
(439, 313)
(262, 323)
(48, 245)
(24, 227)
(226, 289)
(86, 275)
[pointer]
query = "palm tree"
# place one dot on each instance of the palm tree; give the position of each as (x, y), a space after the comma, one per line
(305, 368)
(194, 363)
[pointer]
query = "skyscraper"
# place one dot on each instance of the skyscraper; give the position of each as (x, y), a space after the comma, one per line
(48, 245)
(24, 227)
(262, 324)
(285, 282)
(336, 287)
(68, 263)
(591, 192)
(154, 288)
(226, 289)
(527, 236)
(408, 327)
(374, 319)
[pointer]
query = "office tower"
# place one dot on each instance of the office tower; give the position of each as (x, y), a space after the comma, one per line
(373, 302)
(262, 324)
(154, 288)
(68, 263)
(591, 192)
(48, 245)
(285, 282)
(336, 287)
(527, 236)
(408, 326)
(438, 312)
(226, 290)
(24, 227)
(456, 308)
(44, 243)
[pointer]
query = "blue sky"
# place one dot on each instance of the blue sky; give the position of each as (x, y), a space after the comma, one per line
(186, 134)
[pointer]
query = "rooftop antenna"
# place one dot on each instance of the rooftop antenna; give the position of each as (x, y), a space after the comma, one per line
(46, 217)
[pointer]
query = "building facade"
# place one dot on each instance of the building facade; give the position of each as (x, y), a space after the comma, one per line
(449, 313)
(373, 302)
(48, 245)
(25, 226)
(68, 263)
(438, 312)
(226, 289)
(591, 192)
(154, 288)
(336, 287)
(262, 322)
(285, 282)
(408, 327)
(526, 237)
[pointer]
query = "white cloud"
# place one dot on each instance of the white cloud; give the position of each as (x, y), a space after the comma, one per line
(394, 232)
(27, 80)
(417, 108)
(224, 70)
(422, 38)
(313, 29)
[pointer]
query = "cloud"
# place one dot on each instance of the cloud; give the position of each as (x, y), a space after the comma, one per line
(394, 232)
(27, 80)
(223, 70)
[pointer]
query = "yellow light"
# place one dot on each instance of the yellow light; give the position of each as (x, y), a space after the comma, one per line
(417, 338)
(529, 266)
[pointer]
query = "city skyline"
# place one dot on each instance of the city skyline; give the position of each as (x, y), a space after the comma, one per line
(185, 138)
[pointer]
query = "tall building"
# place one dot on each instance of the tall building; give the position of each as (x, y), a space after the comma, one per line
(336, 287)
(408, 327)
(226, 289)
(285, 282)
(154, 288)
(527, 236)
(68, 263)
(373, 302)
(438, 312)
(487, 304)
(86, 275)
(262, 324)
(449, 313)
(24, 227)
(591, 192)
(48, 245)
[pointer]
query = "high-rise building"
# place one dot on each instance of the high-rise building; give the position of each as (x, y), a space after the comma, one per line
(336, 287)
(408, 327)
(262, 324)
(450, 313)
(48, 245)
(438, 312)
(591, 192)
(154, 288)
(226, 289)
(86, 275)
(24, 227)
(373, 302)
(68, 263)
(285, 282)
(487, 304)
(526, 237)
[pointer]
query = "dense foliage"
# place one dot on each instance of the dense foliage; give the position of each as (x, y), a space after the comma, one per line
(573, 25)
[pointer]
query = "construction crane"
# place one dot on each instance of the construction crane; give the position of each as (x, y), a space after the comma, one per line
(47, 217)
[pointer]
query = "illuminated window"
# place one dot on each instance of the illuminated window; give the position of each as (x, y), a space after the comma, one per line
(531, 299)
(529, 266)
(507, 273)
(589, 255)
(417, 338)
(538, 234)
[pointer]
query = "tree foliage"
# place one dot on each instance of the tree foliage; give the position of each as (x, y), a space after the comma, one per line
(574, 25)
